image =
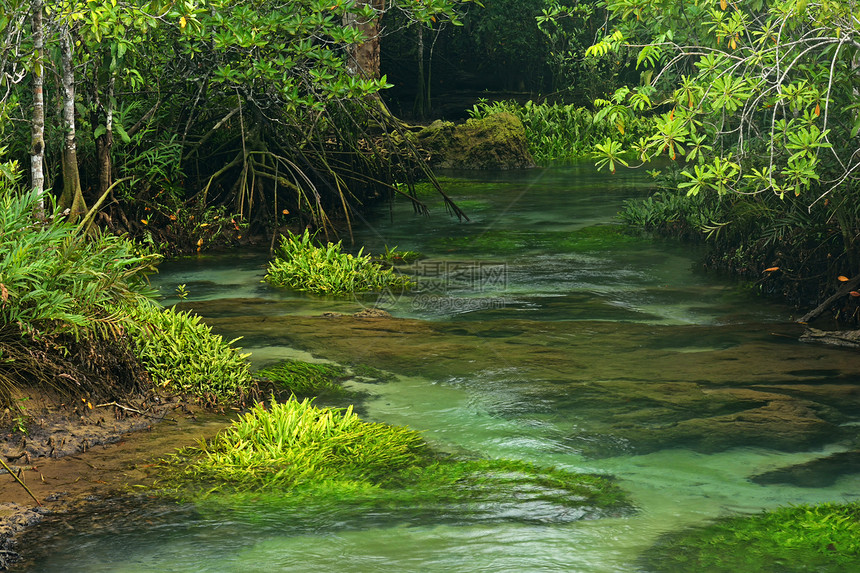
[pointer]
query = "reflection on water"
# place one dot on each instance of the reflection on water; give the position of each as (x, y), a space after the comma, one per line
(538, 332)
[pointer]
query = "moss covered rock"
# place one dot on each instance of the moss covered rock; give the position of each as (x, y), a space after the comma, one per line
(495, 142)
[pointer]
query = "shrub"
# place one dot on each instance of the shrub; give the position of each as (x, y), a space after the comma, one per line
(301, 265)
(55, 279)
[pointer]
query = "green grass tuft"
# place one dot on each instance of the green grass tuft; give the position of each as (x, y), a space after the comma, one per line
(283, 445)
(302, 265)
(180, 352)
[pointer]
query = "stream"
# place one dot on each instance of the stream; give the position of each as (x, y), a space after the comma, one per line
(539, 332)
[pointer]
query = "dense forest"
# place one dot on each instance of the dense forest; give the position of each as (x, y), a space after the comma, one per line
(197, 124)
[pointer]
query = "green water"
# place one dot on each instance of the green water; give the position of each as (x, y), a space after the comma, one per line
(541, 333)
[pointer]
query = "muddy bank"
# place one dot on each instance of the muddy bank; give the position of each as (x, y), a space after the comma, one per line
(71, 458)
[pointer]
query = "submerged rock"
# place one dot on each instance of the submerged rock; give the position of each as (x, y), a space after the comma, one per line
(847, 338)
(820, 472)
(495, 142)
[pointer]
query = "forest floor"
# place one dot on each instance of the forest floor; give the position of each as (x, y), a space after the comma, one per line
(71, 456)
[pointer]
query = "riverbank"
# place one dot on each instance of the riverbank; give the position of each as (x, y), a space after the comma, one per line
(71, 457)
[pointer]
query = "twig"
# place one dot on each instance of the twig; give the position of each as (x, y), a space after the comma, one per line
(17, 479)
(141, 412)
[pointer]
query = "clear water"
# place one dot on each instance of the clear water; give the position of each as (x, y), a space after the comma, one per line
(525, 341)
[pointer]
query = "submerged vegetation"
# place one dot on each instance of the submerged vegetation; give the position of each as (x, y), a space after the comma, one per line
(305, 379)
(332, 456)
(823, 538)
(302, 265)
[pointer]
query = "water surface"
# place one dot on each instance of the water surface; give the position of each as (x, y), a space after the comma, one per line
(538, 332)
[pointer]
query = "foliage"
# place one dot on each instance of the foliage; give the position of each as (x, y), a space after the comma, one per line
(393, 256)
(305, 378)
(569, 28)
(672, 213)
(54, 278)
(283, 445)
(313, 459)
(253, 107)
(301, 265)
(182, 354)
(799, 538)
(562, 132)
(752, 100)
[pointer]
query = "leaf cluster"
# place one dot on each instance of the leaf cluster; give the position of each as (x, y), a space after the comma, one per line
(182, 353)
(54, 278)
(302, 265)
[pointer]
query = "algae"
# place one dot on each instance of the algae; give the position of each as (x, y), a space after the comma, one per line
(507, 241)
(822, 538)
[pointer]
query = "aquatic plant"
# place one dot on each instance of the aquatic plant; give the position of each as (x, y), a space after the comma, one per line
(283, 445)
(393, 256)
(823, 538)
(302, 265)
(182, 353)
(305, 378)
(312, 459)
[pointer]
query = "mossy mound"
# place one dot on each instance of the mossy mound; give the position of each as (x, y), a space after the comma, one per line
(495, 142)
(823, 538)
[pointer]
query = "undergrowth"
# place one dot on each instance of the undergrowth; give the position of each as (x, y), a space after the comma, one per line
(182, 353)
(559, 132)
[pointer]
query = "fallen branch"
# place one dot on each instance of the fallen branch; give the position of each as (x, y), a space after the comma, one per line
(17, 479)
(847, 287)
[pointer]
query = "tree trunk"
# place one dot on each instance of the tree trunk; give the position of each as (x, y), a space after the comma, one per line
(104, 142)
(37, 132)
(364, 57)
(422, 98)
(72, 197)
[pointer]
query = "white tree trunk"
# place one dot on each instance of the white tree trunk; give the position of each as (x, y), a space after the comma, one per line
(37, 133)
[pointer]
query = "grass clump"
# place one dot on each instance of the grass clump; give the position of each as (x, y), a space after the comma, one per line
(309, 461)
(290, 444)
(302, 265)
(394, 256)
(306, 378)
(821, 538)
(180, 352)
